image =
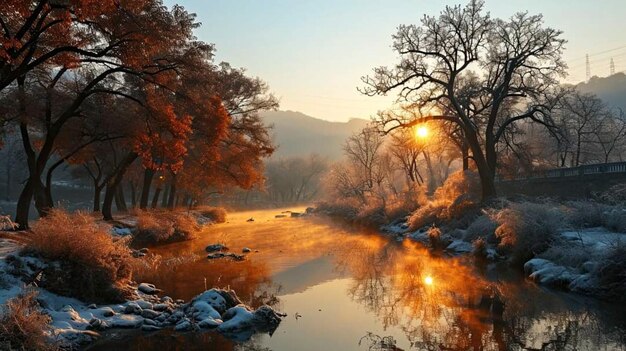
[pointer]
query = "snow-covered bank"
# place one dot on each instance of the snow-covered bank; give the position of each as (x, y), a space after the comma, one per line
(75, 323)
(577, 260)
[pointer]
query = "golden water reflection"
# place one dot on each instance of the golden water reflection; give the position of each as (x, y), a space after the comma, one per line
(424, 301)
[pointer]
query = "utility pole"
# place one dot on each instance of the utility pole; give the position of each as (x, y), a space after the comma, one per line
(588, 67)
(612, 68)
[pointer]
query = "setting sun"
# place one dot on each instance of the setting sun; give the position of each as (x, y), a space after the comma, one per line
(428, 280)
(421, 132)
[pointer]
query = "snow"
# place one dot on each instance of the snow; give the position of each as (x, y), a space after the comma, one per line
(76, 323)
(121, 231)
(460, 246)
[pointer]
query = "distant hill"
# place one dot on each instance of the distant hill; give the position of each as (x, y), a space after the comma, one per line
(611, 89)
(297, 134)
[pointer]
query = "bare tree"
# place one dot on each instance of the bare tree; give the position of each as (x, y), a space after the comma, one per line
(490, 72)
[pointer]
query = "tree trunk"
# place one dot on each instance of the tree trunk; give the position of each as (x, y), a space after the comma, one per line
(133, 194)
(96, 198)
(487, 176)
(114, 183)
(155, 197)
(23, 205)
(465, 153)
(120, 201)
(172, 195)
(165, 196)
(148, 174)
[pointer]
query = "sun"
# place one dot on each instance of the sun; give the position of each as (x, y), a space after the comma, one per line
(421, 132)
(428, 280)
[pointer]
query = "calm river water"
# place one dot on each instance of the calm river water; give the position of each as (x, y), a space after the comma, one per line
(347, 288)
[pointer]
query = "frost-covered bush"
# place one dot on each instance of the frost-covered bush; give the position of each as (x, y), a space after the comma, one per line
(216, 214)
(527, 229)
(610, 272)
(436, 239)
(23, 325)
(615, 219)
(479, 248)
(159, 227)
(615, 195)
(585, 214)
(458, 194)
(483, 227)
(87, 263)
(569, 254)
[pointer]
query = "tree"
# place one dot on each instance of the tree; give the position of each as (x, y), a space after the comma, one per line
(492, 73)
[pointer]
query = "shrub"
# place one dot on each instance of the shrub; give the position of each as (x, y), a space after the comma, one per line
(527, 229)
(585, 214)
(615, 195)
(479, 248)
(216, 214)
(23, 325)
(569, 254)
(6, 223)
(89, 264)
(483, 227)
(611, 272)
(615, 219)
(435, 238)
(452, 201)
(160, 227)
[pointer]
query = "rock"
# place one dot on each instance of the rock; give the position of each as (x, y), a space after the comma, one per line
(296, 214)
(132, 308)
(107, 311)
(309, 210)
(150, 328)
(147, 288)
(280, 216)
(167, 299)
(144, 250)
(209, 323)
(144, 304)
(121, 231)
(184, 325)
(215, 255)
(246, 250)
(216, 247)
(148, 321)
(126, 321)
(151, 314)
(92, 306)
(97, 324)
(250, 220)
(162, 307)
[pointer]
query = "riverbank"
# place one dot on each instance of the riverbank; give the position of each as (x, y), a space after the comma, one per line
(578, 246)
(70, 265)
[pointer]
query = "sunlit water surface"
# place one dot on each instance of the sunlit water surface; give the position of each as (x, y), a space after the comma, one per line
(347, 288)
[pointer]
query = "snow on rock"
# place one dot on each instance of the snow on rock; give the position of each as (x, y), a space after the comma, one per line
(460, 246)
(548, 273)
(395, 228)
(75, 323)
(121, 231)
(149, 289)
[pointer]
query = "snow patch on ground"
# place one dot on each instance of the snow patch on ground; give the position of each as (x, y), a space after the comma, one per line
(76, 323)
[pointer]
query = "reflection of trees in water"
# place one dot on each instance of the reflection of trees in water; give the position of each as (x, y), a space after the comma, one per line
(461, 310)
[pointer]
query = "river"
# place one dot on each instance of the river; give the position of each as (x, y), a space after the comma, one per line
(348, 288)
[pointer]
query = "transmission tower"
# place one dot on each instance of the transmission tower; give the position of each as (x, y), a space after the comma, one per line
(588, 67)
(612, 66)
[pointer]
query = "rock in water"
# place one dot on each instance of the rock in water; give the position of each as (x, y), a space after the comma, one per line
(147, 288)
(246, 250)
(216, 247)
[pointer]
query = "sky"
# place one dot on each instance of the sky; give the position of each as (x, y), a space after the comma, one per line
(314, 53)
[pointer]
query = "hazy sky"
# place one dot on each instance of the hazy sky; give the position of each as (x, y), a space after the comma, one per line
(313, 53)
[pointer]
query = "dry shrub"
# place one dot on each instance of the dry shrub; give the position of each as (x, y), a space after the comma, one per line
(216, 214)
(585, 214)
(526, 229)
(611, 272)
(569, 254)
(23, 325)
(160, 227)
(435, 238)
(458, 195)
(615, 195)
(6, 223)
(479, 248)
(615, 219)
(483, 227)
(90, 265)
